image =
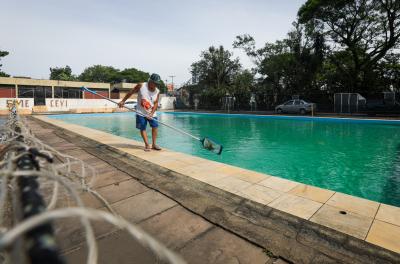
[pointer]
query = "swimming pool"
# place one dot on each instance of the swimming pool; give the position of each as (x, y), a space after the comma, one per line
(357, 157)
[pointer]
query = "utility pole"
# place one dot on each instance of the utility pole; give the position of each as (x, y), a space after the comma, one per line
(172, 82)
(172, 78)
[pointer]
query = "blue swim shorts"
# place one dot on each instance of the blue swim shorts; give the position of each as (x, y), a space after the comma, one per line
(141, 122)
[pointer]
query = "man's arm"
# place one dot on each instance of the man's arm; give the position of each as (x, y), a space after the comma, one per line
(155, 106)
(129, 94)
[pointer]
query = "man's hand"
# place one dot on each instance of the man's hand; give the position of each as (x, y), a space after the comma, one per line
(121, 104)
(150, 116)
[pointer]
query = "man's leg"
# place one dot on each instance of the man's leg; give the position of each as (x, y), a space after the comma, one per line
(154, 131)
(143, 133)
(141, 124)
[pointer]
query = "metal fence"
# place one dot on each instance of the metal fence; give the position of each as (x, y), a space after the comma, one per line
(349, 103)
(342, 103)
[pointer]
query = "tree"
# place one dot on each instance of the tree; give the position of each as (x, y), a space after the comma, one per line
(363, 31)
(213, 75)
(243, 86)
(216, 68)
(133, 75)
(3, 54)
(62, 73)
(289, 66)
(389, 71)
(100, 73)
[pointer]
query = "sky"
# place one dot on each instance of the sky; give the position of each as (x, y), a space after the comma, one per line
(162, 36)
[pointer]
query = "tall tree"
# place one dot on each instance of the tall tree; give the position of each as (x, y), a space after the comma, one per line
(216, 68)
(62, 73)
(100, 73)
(243, 86)
(3, 54)
(133, 75)
(389, 71)
(289, 66)
(363, 31)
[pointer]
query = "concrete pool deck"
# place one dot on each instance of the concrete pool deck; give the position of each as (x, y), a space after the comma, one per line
(357, 223)
(181, 230)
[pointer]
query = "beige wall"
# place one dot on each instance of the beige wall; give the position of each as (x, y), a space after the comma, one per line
(123, 85)
(123, 93)
(36, 82)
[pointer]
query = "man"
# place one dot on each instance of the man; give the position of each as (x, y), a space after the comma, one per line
(148, 96)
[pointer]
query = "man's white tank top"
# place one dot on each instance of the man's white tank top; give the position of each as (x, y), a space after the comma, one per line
(146, 99)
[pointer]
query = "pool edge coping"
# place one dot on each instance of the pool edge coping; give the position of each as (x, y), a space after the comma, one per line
(227, 176)
(272, 116)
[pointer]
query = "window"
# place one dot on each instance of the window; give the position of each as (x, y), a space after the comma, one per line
(289, 102)
(297, 102)
(74, 93)
(47, 92)
(67, 92)
(38, 93)
(25, 91)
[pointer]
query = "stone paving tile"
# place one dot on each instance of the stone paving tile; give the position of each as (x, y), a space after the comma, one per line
(70, 232)
(139, 152)
(118, 247)
(279, 184)
(148, 155)
(172, 164)
(260, 194)
(224, 168)
(52, 139)
(103, 168)
(142, 206)
(136, 151)
(108, 178)
(90, 200)
(350, 223)
(250, 176)
(191, 160)
(95, 162)
(122, 190)
(81, 154)
(295, 205)
(63, 147)
(157, 157)
(231, 184)
(207, 177)
(208, 165)
(354, 204)
(219, 247)
(385, 235)
(175, 227)
(204, 175)
(311, 192)
(389, 214)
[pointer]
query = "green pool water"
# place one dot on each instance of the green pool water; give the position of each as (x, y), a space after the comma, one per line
(357, 157)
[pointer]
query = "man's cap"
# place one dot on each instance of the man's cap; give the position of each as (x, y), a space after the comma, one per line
(155, 78)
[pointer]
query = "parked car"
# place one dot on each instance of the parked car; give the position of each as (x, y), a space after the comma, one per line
(295, 106)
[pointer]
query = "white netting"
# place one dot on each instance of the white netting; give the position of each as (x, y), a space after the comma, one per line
(66, 177)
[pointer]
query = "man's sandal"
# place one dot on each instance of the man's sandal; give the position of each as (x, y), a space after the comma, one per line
(155, 147)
